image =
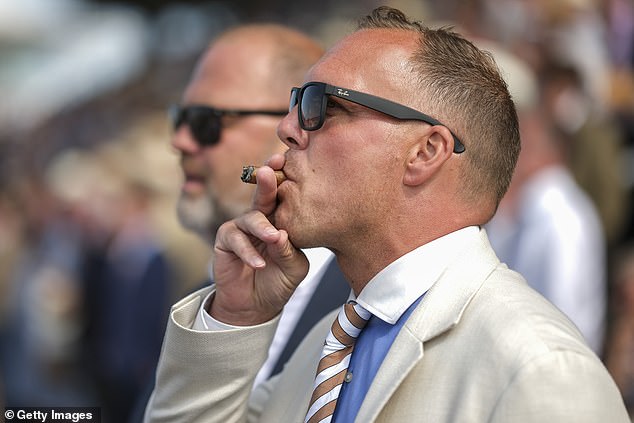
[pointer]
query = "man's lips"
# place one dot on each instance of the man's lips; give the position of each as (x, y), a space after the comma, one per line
(193, 175)
(193, 183)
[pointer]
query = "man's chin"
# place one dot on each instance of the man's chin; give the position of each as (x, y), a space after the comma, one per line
(281, 221)
(196, 215)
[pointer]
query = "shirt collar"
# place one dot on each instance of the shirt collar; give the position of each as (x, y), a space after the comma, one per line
(395, 288)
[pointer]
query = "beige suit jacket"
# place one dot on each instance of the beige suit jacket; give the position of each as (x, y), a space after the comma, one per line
(481, 347)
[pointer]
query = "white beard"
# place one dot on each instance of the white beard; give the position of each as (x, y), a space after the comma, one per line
(203, 215)
(199, 215)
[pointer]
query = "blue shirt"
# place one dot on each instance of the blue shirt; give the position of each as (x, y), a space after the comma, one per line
(370, 349)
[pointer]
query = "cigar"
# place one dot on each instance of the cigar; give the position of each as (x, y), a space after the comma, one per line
(249, 175)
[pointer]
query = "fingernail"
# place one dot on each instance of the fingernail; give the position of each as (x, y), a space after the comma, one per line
(271, 231)
(258, 262)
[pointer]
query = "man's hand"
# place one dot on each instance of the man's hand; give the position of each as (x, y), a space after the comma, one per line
(256, 268)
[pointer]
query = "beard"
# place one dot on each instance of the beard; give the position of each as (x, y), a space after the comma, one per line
(203, 215)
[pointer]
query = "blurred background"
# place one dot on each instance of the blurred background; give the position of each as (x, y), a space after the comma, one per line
(91, 253)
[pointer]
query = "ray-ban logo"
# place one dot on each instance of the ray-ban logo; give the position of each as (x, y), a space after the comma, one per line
(342, 92)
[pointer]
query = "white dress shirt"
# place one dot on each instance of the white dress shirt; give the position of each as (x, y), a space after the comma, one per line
(395, 288)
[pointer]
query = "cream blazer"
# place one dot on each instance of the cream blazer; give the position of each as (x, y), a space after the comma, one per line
(481, 346)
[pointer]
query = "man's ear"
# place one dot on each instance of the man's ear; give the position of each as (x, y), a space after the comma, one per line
(427, 156)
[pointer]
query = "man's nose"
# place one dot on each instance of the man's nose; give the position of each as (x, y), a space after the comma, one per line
(183, 140)
(290, 132)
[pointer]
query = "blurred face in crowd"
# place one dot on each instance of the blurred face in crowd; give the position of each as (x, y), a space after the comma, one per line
(234, 74)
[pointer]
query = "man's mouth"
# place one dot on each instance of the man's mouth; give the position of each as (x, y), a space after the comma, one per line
(194, 184)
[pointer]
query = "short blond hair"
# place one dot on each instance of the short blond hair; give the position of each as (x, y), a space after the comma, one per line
(461, 86)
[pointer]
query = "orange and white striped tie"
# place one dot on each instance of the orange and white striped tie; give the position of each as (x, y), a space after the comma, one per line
(334, 361)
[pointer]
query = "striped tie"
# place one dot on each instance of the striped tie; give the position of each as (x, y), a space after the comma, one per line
(335, 358)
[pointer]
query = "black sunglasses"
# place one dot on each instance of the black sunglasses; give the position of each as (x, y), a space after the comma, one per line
(205, 122)
(312, 101)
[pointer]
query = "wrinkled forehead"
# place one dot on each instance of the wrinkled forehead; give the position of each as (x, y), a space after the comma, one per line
(377, 61)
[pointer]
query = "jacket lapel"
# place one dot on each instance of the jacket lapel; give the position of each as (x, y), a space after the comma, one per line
(439, 311)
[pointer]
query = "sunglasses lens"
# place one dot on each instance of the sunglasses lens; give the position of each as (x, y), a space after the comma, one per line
(293, 101)
(311, 107)
(203, 123)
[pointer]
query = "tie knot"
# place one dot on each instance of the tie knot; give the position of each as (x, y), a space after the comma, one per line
(351, 320)
(356, 314)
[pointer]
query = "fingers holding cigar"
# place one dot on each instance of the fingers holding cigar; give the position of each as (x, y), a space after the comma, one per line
(268, 178)
(249, 175)
(265, 197)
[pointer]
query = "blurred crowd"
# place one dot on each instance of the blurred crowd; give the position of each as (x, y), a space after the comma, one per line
(91, 252)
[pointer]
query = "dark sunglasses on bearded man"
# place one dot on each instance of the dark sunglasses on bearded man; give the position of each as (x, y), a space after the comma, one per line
(205, 123)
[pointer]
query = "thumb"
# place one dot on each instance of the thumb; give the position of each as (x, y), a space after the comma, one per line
(265, 198)
(291, 260)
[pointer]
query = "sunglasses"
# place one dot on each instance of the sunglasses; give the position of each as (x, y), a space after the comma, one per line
(205, 122)
(312, 100)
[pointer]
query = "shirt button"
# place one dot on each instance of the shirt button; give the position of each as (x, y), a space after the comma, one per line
(348, 377)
